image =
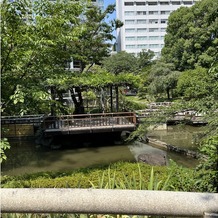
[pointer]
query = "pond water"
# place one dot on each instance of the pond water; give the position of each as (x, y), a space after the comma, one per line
(183, 136)
(26, 157)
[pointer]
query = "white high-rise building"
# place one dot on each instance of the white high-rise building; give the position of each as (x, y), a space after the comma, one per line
(145, 23)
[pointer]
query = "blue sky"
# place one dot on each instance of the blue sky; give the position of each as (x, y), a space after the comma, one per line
(112, 16)
(109, 2)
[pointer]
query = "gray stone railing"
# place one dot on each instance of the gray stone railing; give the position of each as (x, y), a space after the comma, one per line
(106, 201)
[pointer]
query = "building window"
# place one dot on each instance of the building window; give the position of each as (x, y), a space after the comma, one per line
(163, 29)
(140, 3)
(129, 13)
(163, 21)
(128, 3)
(153, 21)
(141, 21)
(153, 37)
(130, 46)
(152, 3)
(187, 3)
(141, 30)
(154, 46)
(153, 12)
(142, 46)
(129, 30)
(153, 29)
(130, 38)
(141, 38)
(141, 12)
(165, 12)
(176, 3)
(129, 21)
(164, 3)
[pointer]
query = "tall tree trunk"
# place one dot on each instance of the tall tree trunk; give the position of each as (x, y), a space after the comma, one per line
(168, 93)
(102, 100)
(78, 102)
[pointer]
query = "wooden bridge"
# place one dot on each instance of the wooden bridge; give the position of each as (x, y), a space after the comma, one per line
(89, 123)
(68, 124)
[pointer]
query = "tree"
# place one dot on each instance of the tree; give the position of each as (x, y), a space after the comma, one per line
(197, 83)
(162, 78)
(145, 58)
(208, 105)
(40, 39)
(127, 62)
(93, 45)
(33, 51)
(191, 38)
(122, 62)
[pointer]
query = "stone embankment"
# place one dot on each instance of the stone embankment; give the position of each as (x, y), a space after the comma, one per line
(165, 146)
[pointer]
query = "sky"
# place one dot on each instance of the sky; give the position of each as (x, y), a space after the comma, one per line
(112, 16)
(109, 2)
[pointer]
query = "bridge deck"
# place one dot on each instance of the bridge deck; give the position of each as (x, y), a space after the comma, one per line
(91, 123)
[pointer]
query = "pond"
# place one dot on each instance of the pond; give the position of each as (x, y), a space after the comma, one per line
(26, 157)
(182, 136)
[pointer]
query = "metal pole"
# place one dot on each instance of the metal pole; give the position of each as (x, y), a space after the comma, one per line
(106, 201)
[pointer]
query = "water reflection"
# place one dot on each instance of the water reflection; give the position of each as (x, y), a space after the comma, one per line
(25, 157)
(182, 136)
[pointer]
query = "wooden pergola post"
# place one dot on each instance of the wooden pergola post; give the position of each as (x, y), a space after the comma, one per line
(53, 99)
(117, 98)
(111, 96)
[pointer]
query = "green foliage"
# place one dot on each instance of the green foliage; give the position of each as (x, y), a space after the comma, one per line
(38, 44)
(4, 145)
(162, 78)
(145, 58)
(209, 147)
(134, 181)
(197, 83)
(33, 41)
(191, 38)
(86, 178)
(122, 62)
(130, 104)
(121, 175)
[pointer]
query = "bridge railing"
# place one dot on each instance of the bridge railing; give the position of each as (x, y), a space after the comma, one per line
(108, 201)
(89, 120)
